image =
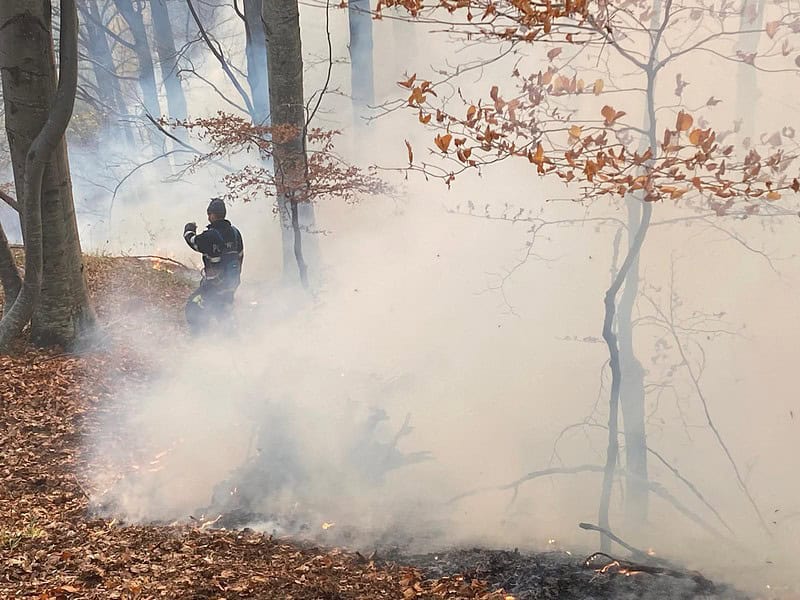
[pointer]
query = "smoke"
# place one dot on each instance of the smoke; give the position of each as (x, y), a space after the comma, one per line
(486, 344)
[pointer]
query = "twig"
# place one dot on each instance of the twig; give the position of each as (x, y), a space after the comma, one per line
(221, 58)
(704, 401)
(9, 200)
(639, 554)
(162, 258)
(330, 64)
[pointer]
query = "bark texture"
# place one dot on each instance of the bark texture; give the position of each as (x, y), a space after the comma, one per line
(9, 274)
(36, 118)
(285, 67)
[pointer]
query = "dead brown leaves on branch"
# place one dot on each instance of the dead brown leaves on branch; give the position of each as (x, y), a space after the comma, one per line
(597, 153)
(329, 175)
(522, 20)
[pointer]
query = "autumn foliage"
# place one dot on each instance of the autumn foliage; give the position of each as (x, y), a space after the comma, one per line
(534, 117)
(328, 176)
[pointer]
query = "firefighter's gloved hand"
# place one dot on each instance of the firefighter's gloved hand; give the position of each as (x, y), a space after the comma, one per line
(189, 227)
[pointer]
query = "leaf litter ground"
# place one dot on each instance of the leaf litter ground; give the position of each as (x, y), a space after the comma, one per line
(52, 549)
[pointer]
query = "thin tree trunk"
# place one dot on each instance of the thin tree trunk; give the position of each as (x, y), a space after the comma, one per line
(27, 62)
(256, 51)
(610, 337)
(168, 60)
(141, 47)
(285, 61)
(747, 92)
(632, 395)
(361, 76)
(627, 374)
(105, 71)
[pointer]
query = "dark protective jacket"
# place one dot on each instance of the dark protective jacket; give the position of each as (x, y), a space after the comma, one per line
(223, 252)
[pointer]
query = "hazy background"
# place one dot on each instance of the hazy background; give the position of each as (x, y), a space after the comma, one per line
(421, 309)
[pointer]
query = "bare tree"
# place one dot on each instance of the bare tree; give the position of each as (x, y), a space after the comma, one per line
(168, 59)
(132, 11)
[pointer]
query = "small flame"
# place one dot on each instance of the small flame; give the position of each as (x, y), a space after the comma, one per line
(161, 265)
(327, 525)
(651, 552)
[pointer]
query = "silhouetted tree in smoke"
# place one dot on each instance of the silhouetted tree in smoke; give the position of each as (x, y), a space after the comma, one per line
(53, 295)
(132, 11)
(256, 51)
(168, 59)
(104, 93)
(361, 76)
(615, 158)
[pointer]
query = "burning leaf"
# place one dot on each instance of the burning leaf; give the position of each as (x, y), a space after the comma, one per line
(423, 118)
(471, 111)
(575, 132)
(773, 195)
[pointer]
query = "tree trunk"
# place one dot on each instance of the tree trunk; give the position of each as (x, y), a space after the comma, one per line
(168, 60)
(361, 77)
(256, 51)
(141, 47)
(747, 93)
(285, 71)
(35, 114)
(612, 454)
(105, 71)
(9, 274)
(632, 395)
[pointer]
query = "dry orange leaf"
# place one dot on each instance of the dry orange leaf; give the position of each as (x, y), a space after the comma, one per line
(408, 82)
(684, 121)
(610, 115)
(443, 141)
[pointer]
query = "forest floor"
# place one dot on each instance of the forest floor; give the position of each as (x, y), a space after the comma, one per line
(51, 548)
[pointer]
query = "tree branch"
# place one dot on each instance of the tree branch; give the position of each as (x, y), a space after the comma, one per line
(9, 200)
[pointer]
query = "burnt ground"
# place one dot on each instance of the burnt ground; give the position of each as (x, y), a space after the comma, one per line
(562, 576)
(52, 548)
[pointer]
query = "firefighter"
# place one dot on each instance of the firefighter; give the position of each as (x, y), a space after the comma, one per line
(223, 253)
